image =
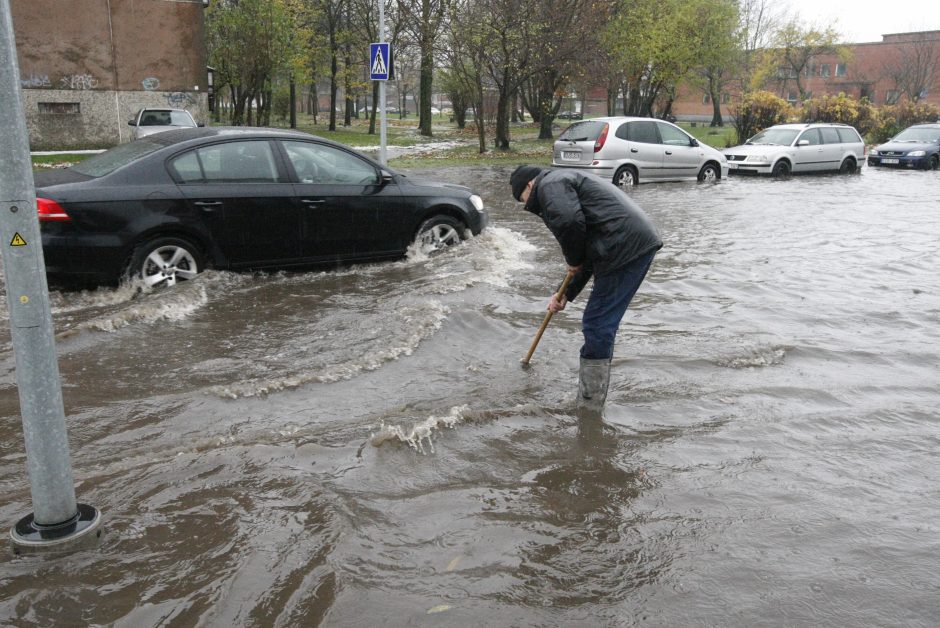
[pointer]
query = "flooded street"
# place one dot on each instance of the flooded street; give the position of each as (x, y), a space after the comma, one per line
(361, 447)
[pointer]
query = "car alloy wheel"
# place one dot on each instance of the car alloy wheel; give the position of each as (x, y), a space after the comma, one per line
(625, 178)
(708, 174)
(438, 233)
(165, 261)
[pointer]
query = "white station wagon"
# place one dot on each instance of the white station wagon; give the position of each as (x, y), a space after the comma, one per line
(811, 147)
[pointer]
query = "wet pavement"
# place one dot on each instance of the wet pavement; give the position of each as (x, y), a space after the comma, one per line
(361, 446)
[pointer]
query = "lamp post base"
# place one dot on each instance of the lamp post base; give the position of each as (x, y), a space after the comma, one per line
(29, 537)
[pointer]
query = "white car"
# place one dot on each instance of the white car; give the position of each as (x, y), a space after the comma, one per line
(787, 148)
(150, 121)
(628, 151)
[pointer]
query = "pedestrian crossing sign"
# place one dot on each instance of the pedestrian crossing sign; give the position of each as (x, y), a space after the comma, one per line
(380, 62)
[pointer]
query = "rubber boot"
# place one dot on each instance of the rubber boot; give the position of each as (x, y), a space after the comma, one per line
(593, 380)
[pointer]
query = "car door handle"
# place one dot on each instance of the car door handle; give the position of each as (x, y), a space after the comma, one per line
(668, 152)
(633, 150)
(209, 206)
(310, 201)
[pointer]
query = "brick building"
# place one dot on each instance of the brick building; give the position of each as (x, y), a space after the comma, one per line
(86, 66)
(881, 71)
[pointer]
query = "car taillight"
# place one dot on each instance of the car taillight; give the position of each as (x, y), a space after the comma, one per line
(49, 210)
(599, 142)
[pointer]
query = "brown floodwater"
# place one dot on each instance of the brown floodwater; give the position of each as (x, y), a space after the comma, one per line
(361, 446)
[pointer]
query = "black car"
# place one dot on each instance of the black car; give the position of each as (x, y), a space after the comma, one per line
(165, 207)
(916, 146)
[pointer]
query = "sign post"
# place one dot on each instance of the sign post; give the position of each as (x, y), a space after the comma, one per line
(57, 520)
(381, 69)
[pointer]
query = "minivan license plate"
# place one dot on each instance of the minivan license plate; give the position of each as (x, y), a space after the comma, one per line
(571, 154)
(889, 161)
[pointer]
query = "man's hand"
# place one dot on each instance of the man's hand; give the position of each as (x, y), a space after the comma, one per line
(574, 270)
(556, 304)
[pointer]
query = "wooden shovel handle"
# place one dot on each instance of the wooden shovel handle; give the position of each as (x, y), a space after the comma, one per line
(548, 317)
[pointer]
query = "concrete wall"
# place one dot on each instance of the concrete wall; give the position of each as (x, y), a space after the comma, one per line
(87, 65)
(100, 117)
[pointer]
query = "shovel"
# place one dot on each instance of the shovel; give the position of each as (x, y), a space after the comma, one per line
(548, 317)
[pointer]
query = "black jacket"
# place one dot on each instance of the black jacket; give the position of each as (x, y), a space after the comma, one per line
(596, 223)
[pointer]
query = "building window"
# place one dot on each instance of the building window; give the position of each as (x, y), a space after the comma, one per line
(923, 93)
(706, 99)
(791, 97)
(60, 108)
(824, 70)
(725, 98)
(840, 69)
(891, 97)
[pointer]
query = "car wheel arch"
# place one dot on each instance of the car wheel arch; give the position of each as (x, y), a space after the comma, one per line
(442, 210)
(711, 163)
(785, 163)
(626, 167)
(210, 253)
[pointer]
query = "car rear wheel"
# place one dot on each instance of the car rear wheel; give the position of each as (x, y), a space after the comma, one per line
(848, 166)
(439, 232)
(165, 261)
(781, 169)
(625, 177)
(709, 173)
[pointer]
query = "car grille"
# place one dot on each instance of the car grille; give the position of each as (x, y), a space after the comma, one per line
(891, 153)
(736, 157)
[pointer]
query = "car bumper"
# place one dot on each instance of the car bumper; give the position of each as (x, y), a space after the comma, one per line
(602, 170)
(917, 163)
(740, 167)
(84, 258)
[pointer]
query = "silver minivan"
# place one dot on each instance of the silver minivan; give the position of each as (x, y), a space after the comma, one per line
(629, 150)
(806, 147)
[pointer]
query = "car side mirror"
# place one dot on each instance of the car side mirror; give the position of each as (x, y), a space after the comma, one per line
(200, 124)
(694, 142)
(132, 122)
(386, 177)
(802, 143)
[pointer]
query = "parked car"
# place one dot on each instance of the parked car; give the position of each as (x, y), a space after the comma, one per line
(628, 151)
(916, 146)
(797, 148)
(569, 115)
(150, 121)
(167, 206)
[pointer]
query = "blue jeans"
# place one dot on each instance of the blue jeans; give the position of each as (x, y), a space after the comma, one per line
(607, 304)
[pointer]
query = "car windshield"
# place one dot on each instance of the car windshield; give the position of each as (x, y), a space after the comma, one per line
(110, 160)
(583, 131)
(181, 118)
(780, 137)
(919, 135)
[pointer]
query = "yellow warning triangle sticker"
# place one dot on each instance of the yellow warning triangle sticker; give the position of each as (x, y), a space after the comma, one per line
(17, 240)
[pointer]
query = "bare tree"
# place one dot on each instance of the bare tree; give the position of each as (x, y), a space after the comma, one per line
(915, 67)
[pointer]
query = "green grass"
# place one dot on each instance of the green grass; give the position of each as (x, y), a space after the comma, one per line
(524, 145)
(716, 137)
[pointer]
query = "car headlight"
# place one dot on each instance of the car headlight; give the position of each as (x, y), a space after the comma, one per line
(477, 202)
(917, 153)
(758, 159)
(873, 152)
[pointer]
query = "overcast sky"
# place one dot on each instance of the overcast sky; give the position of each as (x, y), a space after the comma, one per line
(868, 20)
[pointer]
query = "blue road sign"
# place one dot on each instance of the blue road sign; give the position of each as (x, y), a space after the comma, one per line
(380, 62)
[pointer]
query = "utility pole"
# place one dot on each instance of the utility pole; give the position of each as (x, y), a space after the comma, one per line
(57, 521)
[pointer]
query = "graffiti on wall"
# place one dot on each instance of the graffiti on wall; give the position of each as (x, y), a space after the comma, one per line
(150, 84)
(179, 99)
(35, 80)
(78, 81)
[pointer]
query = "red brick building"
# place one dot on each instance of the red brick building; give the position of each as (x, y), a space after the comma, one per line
(86, 66)
(884, 72)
